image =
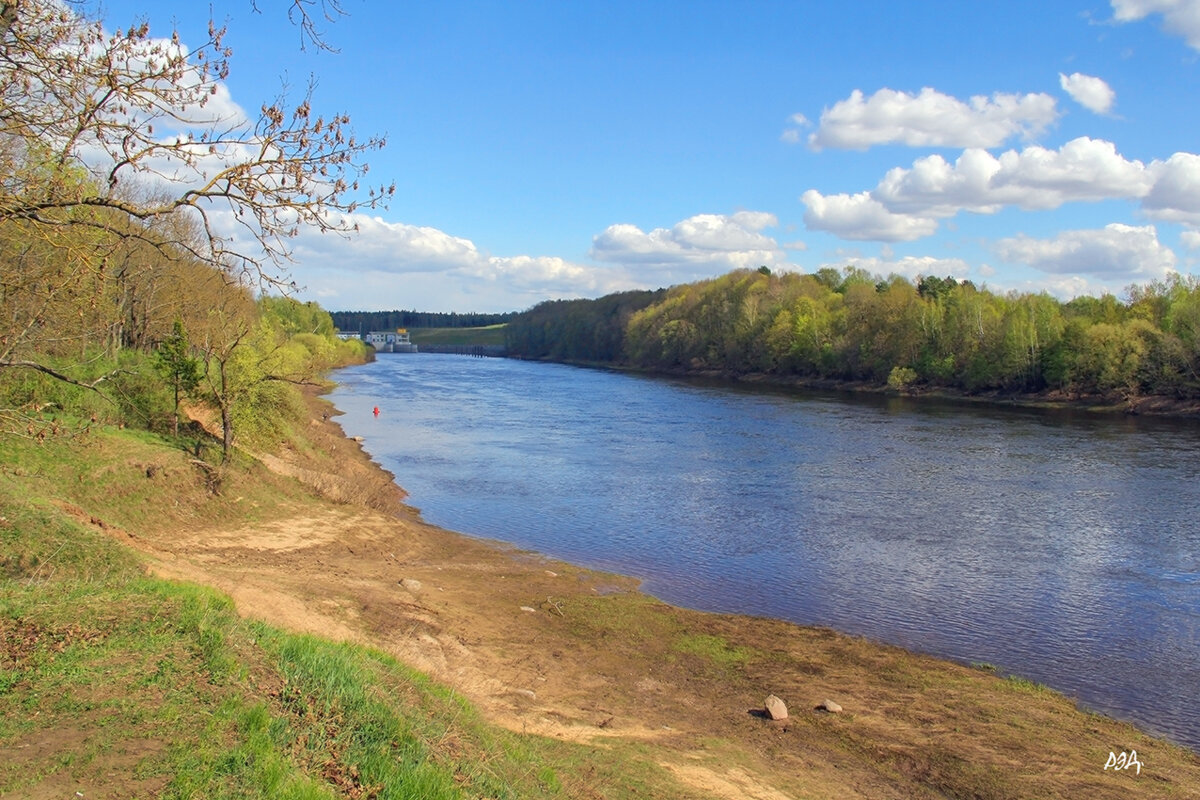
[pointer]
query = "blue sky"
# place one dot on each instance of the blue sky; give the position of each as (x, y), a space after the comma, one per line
(547, 150)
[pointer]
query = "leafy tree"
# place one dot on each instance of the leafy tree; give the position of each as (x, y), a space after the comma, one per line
(933, 287)
(849, 324)
(174, 361)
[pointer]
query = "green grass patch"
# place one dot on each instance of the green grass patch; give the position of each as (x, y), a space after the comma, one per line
(712, 648)
(1026, 685)
(486, 335)
(626, 618)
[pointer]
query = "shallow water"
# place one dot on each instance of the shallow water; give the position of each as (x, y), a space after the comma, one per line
(1063, 547)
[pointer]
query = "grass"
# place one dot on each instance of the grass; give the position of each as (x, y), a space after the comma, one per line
(714, 649)
(487, 335)
(113, 682)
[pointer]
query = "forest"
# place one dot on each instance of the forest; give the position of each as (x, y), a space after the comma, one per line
(851, 326)
(144, 240)
(360, 322)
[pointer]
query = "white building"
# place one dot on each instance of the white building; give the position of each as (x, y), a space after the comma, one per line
(390, 342)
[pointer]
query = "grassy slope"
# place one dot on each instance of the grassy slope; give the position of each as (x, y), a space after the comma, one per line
(488, 335)
(115, 684)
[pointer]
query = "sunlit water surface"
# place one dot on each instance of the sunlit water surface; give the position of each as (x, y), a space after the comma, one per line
(1062, 547)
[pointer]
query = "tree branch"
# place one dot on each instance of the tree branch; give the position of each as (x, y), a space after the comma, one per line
(53, 373)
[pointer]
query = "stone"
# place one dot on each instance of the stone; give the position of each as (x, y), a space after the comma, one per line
(529, 609)
(776, 709)
(831, 707)
(412, 584)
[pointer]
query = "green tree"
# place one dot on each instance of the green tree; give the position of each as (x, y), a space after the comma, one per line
(175, 363)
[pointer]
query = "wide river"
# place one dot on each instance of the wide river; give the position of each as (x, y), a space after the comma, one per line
(1063, 547)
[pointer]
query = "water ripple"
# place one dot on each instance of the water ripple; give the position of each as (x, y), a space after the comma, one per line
(1062, 547)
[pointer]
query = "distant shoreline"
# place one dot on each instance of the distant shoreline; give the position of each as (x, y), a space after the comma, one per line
(1138, 405)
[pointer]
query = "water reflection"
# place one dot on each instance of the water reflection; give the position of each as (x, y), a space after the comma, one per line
(1061, 546)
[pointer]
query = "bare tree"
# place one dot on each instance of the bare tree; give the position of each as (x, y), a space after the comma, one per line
(127, 108)
(303, 14)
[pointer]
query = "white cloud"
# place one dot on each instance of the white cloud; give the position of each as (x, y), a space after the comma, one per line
(1064, 287)
(548, 274)
(1126, 252)
(1180, 17)
(1175, 193)
(705, 241)
(1090, 92)
(1190, 239)
(391, 247)
(930, 119)
(1083, 169)
(792, 134)
(906, 204)
(409, 261)
(393, 264)
(861, 217)
(166, 129)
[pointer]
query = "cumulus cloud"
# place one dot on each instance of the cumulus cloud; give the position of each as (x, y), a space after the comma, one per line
(1115, 251)
(930, 119)
(392, 247)
(549, 274)
(708, 241)
(404, 258)
(907, 202)
(1190, 239)
(1175, 193)
(1083, 169)
(410, 261)
(1064, 287)
(1090, 92)
(1180, 17)
(863, 218)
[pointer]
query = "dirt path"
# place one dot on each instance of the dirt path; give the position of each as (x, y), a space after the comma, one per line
(548, 648)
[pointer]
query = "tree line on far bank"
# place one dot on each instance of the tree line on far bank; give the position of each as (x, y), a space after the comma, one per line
(850, 325)
(359, 322)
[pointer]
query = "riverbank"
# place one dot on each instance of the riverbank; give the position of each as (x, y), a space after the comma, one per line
(659, 696)
(1117, 403)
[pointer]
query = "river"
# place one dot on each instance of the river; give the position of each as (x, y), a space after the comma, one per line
(1060, 546)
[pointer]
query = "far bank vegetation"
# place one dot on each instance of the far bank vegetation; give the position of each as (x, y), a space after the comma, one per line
(851, 326)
